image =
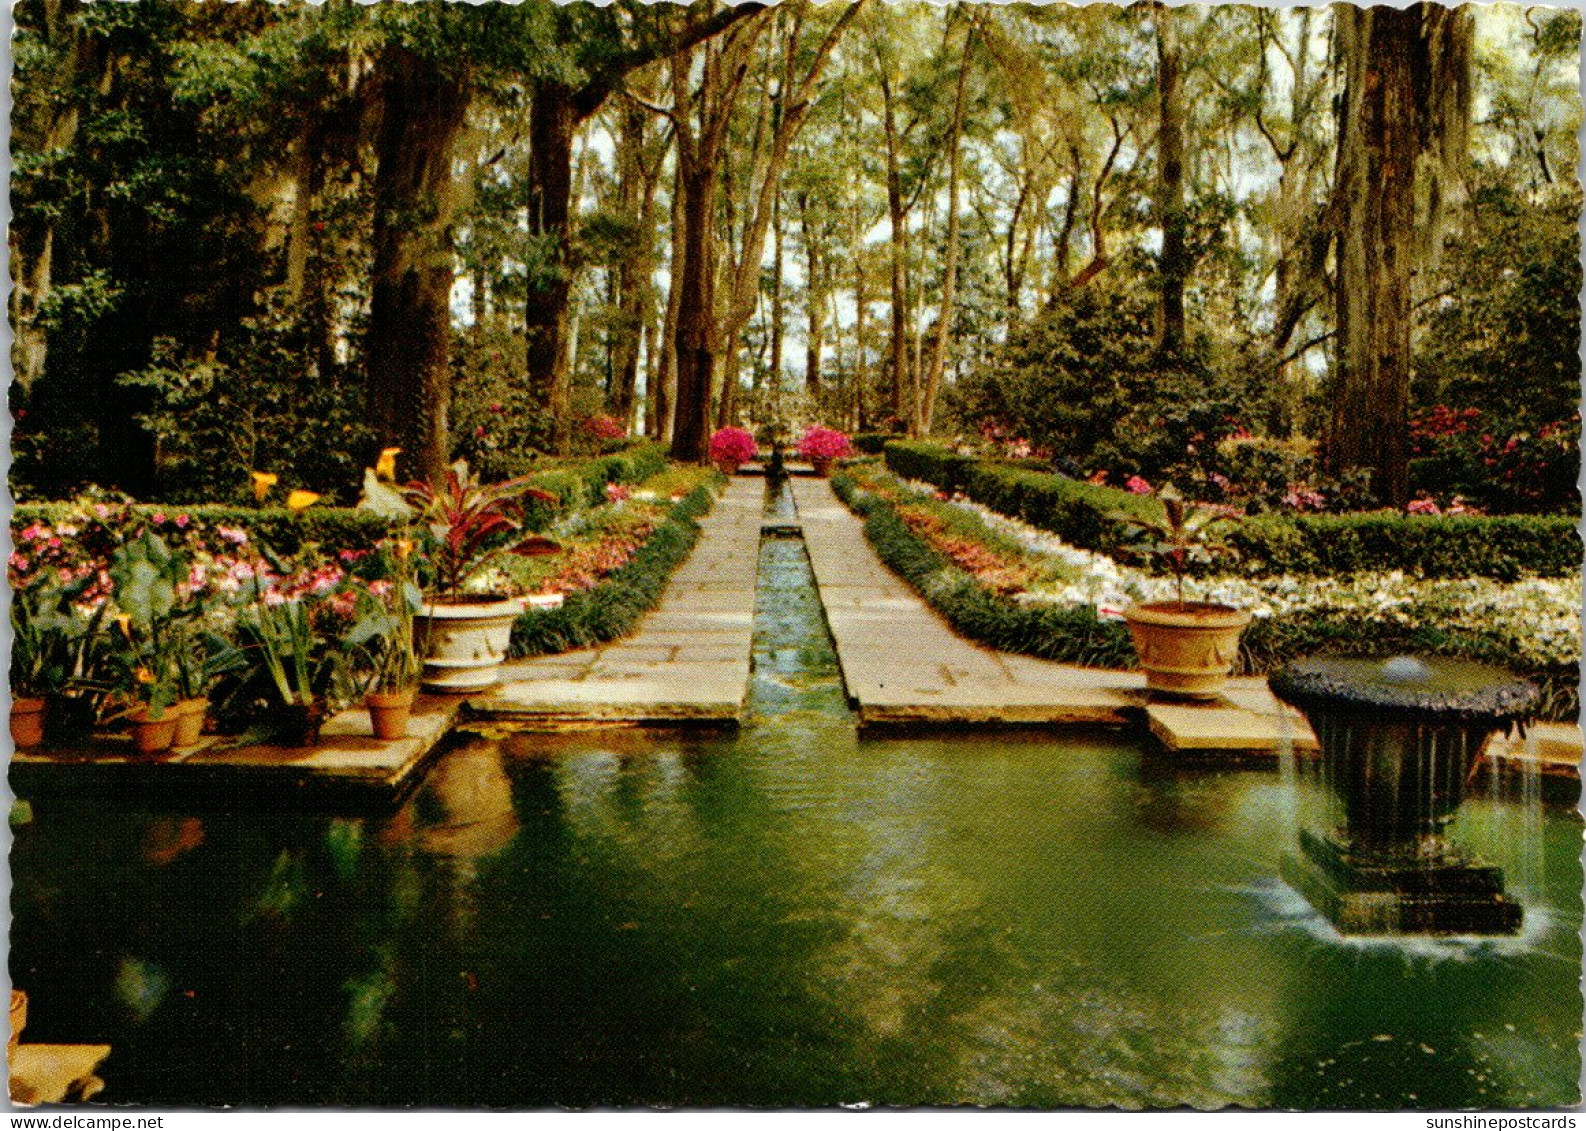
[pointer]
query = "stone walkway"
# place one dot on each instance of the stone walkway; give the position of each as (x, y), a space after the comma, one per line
(903, 665)
(689, 659)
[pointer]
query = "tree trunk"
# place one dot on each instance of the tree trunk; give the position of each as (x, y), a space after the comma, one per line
(696, 361)
(1406, 99)
(552, 124)
(777, 311)
(815, 302)
(665, 369)
(926, 410)
(902, 400)
(409, 344)
(1170, 182)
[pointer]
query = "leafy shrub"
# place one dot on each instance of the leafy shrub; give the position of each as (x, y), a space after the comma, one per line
(1503, 547)
(616, 603)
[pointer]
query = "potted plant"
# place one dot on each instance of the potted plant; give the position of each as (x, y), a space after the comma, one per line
(821, 445)
(280, 632)
(145, 574)
(730, 448)
(1185, 648)
(40, 659)
(202, 657)
(382, 632)
(461, 633)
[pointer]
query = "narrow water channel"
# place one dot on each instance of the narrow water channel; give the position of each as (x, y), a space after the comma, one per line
(783, 916)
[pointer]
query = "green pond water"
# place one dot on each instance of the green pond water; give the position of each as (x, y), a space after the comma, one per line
(787, 916)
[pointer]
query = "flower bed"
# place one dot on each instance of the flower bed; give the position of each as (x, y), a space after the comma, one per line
(613, 570)
(1083, 514)
(1065, 606)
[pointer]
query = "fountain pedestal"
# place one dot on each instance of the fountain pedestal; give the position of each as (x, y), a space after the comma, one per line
(1399, 740)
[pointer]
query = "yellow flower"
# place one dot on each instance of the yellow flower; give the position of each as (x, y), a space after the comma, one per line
(299, 501)
(385, 466)
(262, 482)
(403, 548)
(145, 675)
(124, 622)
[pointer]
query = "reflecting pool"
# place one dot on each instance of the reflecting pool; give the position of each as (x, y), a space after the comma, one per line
(790, 915)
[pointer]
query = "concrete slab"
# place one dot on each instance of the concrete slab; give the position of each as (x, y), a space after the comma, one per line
(347, 761)
(1223, 726)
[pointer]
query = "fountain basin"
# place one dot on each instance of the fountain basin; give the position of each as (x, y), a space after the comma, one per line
(1399, 740)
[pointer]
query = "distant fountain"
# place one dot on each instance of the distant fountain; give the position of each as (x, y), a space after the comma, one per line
(1400, 739)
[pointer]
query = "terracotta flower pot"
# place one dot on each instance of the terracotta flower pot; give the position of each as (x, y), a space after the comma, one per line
(727, 466)
(154, 731)
(1186, 649)
(190, 715)
(27, 722)
(389, 712)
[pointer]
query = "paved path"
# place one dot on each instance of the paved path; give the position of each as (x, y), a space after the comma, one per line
(689, 659)
(901, 662)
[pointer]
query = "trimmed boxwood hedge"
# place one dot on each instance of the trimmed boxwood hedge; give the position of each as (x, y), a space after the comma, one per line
(1074, 634)
(1071, 633)
(1504, 547)
(576, 485)
(615, 605)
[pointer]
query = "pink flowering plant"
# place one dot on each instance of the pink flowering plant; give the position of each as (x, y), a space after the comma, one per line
(381, 635)
(822, 443)
(733, 444)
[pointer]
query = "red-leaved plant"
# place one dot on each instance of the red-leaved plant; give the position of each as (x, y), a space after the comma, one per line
(472, 524)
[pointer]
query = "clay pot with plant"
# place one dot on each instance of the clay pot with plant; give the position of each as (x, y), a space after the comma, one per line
(822, 446)
(382, 636)
(1186, 648)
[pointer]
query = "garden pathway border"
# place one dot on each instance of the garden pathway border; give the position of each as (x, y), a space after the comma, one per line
(688, 661)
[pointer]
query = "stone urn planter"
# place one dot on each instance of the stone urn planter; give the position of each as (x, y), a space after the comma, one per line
(465, 642)
(1186, 648)
(727, 467)
(27, 721)
(389, 712)
(823, 467)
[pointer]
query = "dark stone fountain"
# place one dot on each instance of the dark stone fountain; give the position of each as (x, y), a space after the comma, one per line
(1400, 739)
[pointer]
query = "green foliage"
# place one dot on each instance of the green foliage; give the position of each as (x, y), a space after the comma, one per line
(1506, 337)
(1502, 547)
(613, 607)
(1073, 633)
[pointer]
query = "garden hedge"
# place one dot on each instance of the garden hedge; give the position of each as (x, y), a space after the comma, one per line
(614, 606)
(576, 484)
(1074, 634)
(1503, 547)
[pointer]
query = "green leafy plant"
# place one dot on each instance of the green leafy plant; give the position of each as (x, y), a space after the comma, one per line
(382, 631)
(281, 633)
(1185, 535)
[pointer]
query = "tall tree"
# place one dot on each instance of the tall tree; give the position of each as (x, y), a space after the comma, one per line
(424, 103)
(1403, 136)
(603, 46)
(1170, 180)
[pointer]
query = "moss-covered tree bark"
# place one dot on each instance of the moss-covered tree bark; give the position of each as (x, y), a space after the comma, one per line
(408, 375)
(1402, 136)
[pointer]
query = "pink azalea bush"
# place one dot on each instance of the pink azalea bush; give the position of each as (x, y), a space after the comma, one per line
(734, 444)
(822, 443)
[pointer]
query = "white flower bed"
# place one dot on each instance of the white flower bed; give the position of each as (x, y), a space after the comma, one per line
(1540, 617)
